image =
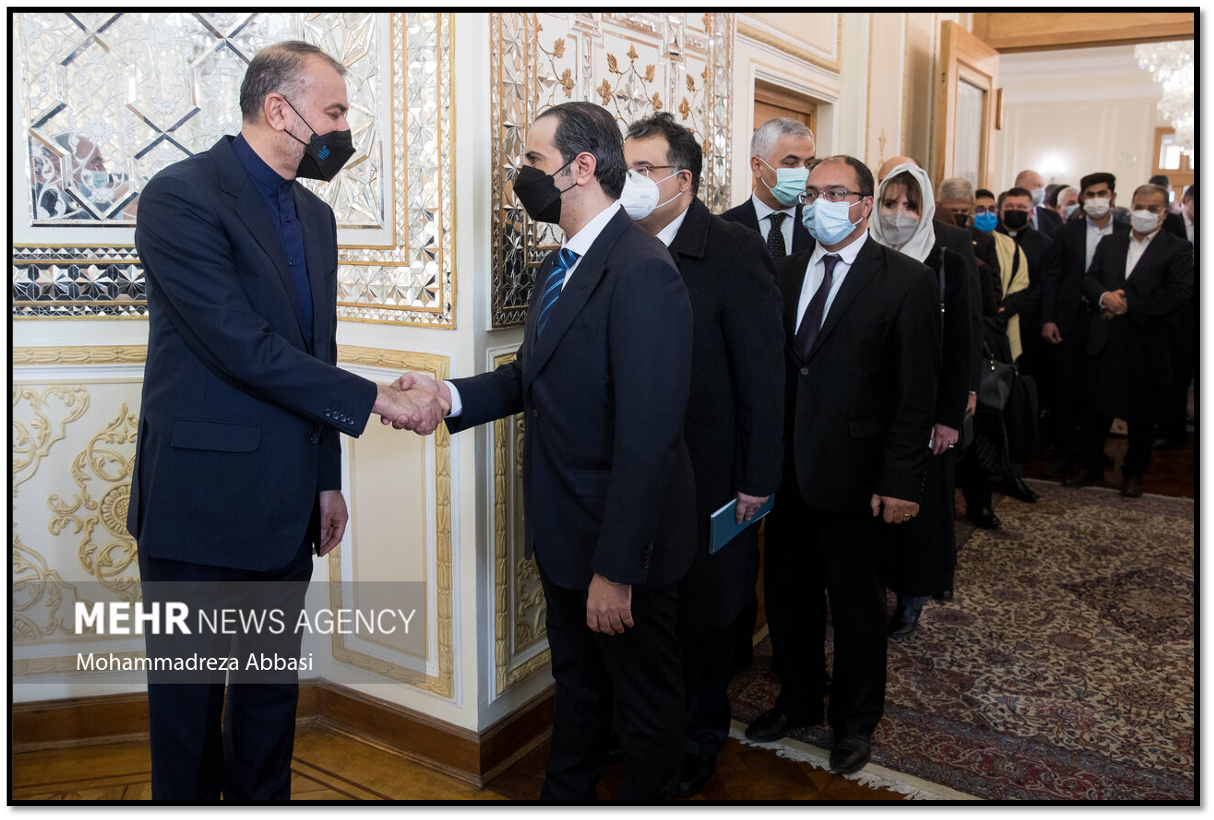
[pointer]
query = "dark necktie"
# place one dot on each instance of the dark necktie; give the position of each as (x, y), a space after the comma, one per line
(775, 237)
(812, 322)
(552, 286)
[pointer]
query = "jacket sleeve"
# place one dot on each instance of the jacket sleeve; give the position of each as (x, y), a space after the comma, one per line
(190, 268)
(1093, 280)
(1052, 262)
(330, 439)
(1175, 289)
(958, 347)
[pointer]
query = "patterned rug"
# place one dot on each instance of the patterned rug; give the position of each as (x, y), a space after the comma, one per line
(1064, 668)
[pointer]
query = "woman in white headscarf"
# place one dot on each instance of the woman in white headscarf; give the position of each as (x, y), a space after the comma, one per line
(923, 561)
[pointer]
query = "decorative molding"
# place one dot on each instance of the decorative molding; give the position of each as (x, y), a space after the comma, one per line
(442, 684)
(93, 354)
(786, 45)
(513, 629)
(632, 63)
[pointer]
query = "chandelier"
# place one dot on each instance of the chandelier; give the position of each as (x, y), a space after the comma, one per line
(1171, 65)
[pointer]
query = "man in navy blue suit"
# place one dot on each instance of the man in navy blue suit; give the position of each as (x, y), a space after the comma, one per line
(602, 378)
(238, 470)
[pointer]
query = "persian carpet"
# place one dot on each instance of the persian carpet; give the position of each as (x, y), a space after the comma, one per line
(1064, 668)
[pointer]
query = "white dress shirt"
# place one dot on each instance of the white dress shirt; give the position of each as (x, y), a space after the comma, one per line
(1135, 252)
(816, 272)
(1095, 234)
(667, 234)
(763, 214)
(579, 243)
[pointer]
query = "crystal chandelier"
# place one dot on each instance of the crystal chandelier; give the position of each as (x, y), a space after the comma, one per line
(1171, 65)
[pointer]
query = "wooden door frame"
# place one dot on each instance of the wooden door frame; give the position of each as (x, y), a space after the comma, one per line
(964, 56)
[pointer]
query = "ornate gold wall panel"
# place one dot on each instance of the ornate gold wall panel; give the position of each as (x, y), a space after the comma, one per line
(634, 64)
(519, 605)
(109, 99)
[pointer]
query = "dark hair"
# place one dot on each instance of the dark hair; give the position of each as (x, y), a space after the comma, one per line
(983, 193)
(1012, 192)
(1161, 180)
(864, 177)
(588, 128)
(1190, 193)
(280, 69)
(1052, 191)
(907, 182)
(1097, 178)
(1151, 188)
(682, 152)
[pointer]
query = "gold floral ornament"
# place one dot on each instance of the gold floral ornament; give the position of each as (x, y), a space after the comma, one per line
(567, 82)
(604, 91)
(558, 48)
(656, 101)
(649, 70)
(102, 460)
(532, 606)
(612, 65)
(691, 83)
(39, 595)
(685, 108)
(33, 431)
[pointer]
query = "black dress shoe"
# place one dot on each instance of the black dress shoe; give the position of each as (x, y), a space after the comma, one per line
(904, 622)
(945, 595)
(850, 753)
(1016, 488)
(985, 519)
(777, 723)
(697, 771)
(1131, 487)
(1085, 478)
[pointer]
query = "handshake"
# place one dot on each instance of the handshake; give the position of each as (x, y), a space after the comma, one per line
(413, 402)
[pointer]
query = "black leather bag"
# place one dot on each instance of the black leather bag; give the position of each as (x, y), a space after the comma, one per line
(995, 385)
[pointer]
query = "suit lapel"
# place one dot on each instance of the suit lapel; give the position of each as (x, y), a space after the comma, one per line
(1146, 265)
(800, 234)
(867, 263)
(692, 237)
(573, 298)
(316, 256)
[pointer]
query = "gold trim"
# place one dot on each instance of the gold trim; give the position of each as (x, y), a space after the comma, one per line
(451, 157)
(442, 684)
(505, 677)
(29, 667)
(106, 354)
(780, 44)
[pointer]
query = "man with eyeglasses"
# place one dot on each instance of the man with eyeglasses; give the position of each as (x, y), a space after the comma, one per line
(1065, 312)
(1140, 282)
(781, 153)
(862, 362)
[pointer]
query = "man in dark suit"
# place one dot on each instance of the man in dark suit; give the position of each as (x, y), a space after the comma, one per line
(734, 419)
(1140, 282)
(603, 378)
(1173, 422)
(1041, 218)
(1065, 312)
(781, 153)
(237, 476)
(1173, 222)
(862, 361)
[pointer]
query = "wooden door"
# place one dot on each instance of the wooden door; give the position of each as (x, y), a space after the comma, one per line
(966, 109)
(773, 101)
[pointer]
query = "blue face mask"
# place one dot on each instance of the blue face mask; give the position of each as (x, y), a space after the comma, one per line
(790, 183)
(986, 222)
(1070, 209)
(828, 222)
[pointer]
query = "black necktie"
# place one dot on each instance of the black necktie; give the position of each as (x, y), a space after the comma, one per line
(812, 321)
(775, 236)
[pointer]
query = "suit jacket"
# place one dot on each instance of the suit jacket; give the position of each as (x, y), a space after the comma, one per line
(240, 416)
(1027, 302)
(957, 336)
(961, 242)
(607, 482)
(1048, 221)
(984, 248)
(1062, 272)
(858, 411)
(734, 428)
(1173, 223)
(745, 215)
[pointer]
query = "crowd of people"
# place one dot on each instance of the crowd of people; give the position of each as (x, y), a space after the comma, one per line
(839, 341)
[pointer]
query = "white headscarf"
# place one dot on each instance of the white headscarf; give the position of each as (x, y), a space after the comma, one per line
(924, 238)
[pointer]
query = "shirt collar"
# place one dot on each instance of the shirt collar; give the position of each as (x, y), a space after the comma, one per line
(581, 241)
(846, 255)
(1092, 226)
(764, 210)
(1146, 240)
(668, 233)
(266, 177)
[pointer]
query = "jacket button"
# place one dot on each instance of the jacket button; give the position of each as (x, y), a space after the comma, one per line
(315, 439)
(804, 371)
(328, 414)
(535, 414)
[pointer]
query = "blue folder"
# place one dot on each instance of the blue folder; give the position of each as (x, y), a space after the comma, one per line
(723, 529)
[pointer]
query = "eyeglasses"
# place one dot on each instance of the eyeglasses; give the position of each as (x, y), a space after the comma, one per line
(830, 195)
(645, 169)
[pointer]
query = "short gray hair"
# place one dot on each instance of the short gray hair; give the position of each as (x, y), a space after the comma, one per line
(765, 137)
(1061, 195)
(957, 188)
(278, 69)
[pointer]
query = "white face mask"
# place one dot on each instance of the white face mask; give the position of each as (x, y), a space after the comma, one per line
(640, 195)
(898, 227)
(1096, 207)
(1038, 195)
(1144, 221)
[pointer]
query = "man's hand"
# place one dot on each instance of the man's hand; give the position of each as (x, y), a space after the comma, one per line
(896, 510)
(1050, 332)
(419, 409)
(943, 437)
(333, 519)
(748, 505)
(436, 394)
(1114, 302)
(608, 606)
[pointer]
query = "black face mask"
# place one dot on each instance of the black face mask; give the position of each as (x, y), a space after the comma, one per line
(1015, 220)
(538, 193)
(962, 220)
(324, 154)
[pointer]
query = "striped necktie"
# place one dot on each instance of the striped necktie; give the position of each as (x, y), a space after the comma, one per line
(552, 286)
